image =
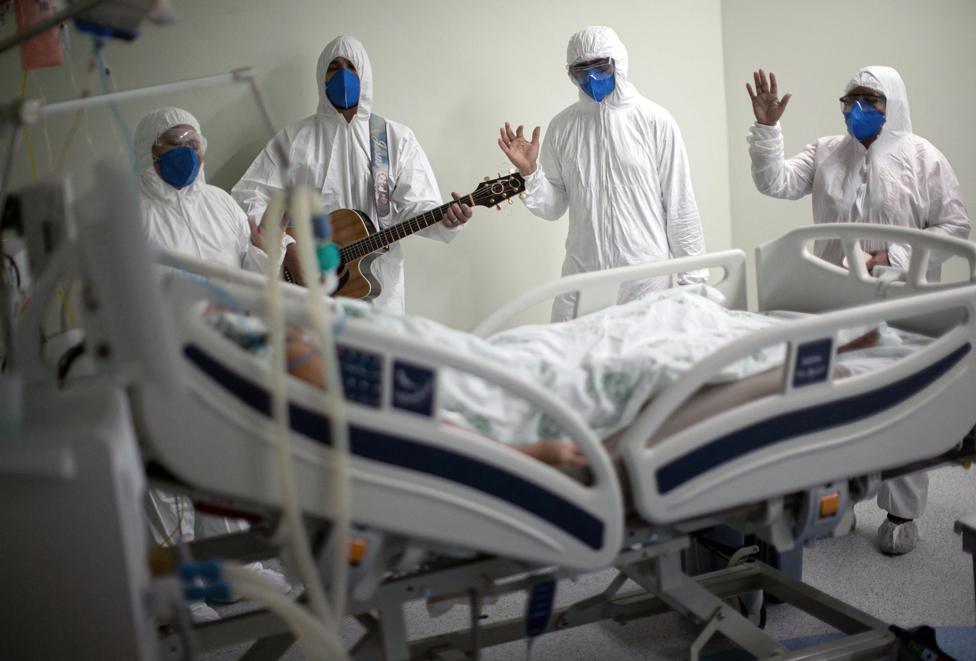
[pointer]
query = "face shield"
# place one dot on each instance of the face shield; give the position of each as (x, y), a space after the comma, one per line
(873, 100)
(182, 136)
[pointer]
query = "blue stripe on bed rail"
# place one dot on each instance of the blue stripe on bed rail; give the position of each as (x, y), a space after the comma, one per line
(414, 456)
(798, 423)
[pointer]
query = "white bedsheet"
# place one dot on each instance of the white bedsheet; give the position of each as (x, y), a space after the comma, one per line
(605, 365)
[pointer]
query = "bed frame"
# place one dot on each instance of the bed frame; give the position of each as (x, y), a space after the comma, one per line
(816, 435)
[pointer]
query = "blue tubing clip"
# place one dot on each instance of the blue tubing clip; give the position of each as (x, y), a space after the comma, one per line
(328, 257)
(204, 580)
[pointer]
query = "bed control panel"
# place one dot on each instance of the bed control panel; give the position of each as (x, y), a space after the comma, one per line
(362, 375)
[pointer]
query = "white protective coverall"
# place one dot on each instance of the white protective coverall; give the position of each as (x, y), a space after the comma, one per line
(332, 156)
(621, 169)
(199, 220)
(202, 221)
(901, 180)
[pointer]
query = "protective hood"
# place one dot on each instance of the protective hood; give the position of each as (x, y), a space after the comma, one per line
(887, 81)
(351, 49)
(593, 43)
(149, 129)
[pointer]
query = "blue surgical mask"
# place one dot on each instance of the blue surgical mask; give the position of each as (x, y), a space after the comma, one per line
(342, 89)
(863, 120)
(598, 84)
(179, 167)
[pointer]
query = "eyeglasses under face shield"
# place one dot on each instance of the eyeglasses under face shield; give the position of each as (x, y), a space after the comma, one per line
(876, 101)
(600, 68)
(182, 137)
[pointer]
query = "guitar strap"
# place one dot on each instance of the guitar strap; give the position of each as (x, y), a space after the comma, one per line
(379, 163)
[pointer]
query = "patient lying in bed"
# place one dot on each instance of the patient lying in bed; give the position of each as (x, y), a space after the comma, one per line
(605, 366)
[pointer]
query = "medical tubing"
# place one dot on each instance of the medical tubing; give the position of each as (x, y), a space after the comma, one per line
(317, 641)
(279, 403)
(26, 130)
(105, 77)
(331, 394)
(65, 307)
(44, 125)
(80, 116)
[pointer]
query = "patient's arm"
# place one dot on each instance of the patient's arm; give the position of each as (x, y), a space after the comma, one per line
(305, 363)
(303, 358)
(711, 400)
(553, 452)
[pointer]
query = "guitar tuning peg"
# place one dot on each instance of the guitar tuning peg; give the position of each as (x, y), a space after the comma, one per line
(522, 196)
(499, 175)
(511, 170)
(487, 178)
(509, 200)
(498, 207)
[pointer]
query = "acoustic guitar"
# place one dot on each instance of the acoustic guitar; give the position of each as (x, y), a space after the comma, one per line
(360, 242)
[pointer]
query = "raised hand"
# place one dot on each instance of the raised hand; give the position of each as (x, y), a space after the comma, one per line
(523, 154)
(766, 104)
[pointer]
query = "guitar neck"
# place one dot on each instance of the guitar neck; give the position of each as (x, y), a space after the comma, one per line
(394, 233)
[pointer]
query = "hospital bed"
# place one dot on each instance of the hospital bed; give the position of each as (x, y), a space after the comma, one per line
(766, 464)
(445, 510)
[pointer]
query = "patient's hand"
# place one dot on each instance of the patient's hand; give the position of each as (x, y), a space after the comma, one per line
(554, 453)
(877, 258)
(865, 341)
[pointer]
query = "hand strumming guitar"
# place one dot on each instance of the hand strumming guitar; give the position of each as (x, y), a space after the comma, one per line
(523, 154)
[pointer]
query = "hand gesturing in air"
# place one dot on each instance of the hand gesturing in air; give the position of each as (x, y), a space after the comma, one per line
(522, 153)
(766, 104)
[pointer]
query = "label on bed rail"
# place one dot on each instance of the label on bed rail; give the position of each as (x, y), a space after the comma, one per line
(413, 388)
(812, 362)
(362, 375)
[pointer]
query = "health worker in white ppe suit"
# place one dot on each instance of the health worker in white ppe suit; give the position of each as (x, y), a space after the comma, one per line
(181, 211)
(330, 152)
(879, 172)
(184, 214)
(617, 162)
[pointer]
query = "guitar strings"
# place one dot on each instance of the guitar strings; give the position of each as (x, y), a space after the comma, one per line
(374, 242)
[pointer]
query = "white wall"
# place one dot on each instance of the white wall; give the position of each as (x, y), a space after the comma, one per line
(814, 47)
(451, 71)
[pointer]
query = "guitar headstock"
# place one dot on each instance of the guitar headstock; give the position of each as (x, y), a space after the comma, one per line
(492, 192)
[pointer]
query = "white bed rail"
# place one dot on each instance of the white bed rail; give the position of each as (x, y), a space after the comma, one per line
(760, 475)
(599, 289)
(468, 520)
(791, 277)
